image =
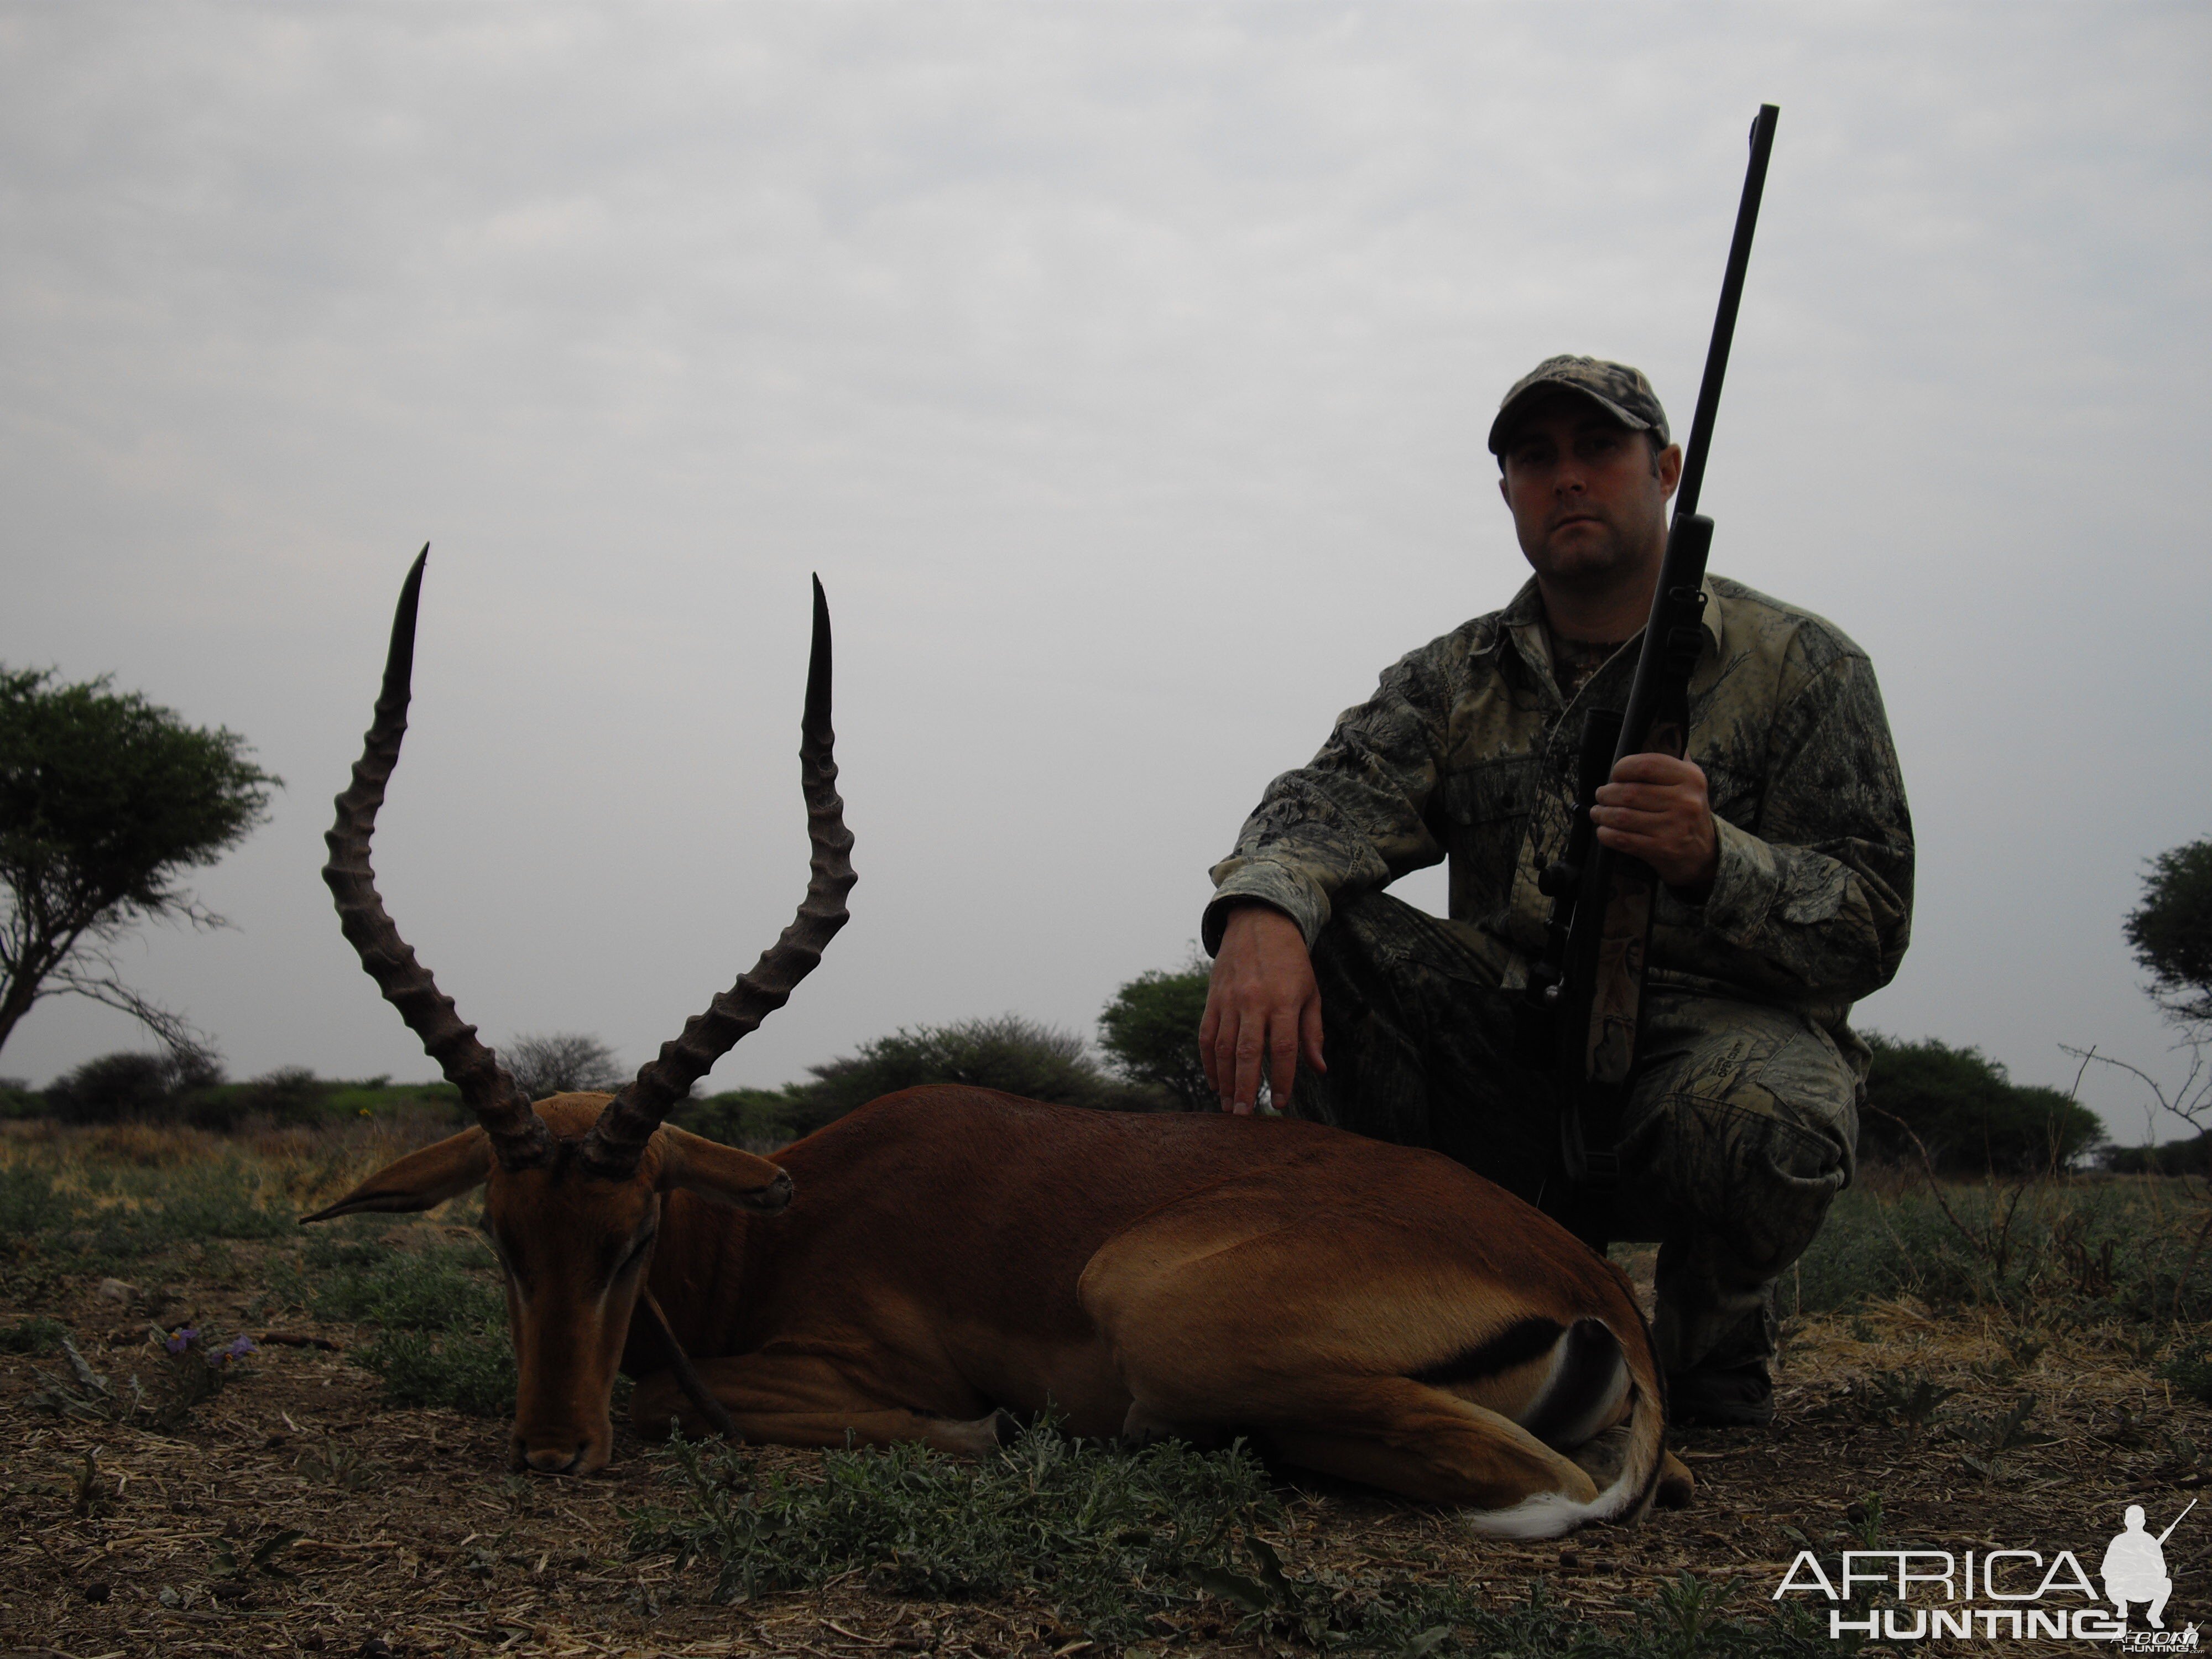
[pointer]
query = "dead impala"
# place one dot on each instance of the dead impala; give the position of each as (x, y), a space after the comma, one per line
(954, 1253)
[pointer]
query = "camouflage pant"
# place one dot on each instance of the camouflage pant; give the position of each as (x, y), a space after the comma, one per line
(1740, 1126)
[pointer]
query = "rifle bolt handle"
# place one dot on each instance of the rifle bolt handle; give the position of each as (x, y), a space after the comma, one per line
(1559, 879)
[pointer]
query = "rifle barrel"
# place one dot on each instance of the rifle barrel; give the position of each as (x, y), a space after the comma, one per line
(1716, 354)
(2177, 1520)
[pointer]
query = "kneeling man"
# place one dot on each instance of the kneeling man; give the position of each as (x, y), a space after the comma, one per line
(1783, 839)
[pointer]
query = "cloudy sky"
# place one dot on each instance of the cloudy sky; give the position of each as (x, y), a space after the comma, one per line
(1123, 370)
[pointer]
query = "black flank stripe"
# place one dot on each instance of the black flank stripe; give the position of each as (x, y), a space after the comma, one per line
(1518, 1344)
(1586, 1372)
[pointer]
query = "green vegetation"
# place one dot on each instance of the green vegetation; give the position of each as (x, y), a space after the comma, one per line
(2079, 1251)
(2171, 933)
(106, 799)
(758, 1120)
(109, 1213)
(443, 1338)
(1150, 1031)
(135, 1087)
(1122, 1543)
(1009, 1053)
(34, 1335)
(1968, 1114)
(195, 1371)
(162, 1202)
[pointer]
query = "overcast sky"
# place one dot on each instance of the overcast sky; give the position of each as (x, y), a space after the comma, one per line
(1123, 371)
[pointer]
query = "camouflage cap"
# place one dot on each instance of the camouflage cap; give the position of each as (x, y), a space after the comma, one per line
(1620, 390)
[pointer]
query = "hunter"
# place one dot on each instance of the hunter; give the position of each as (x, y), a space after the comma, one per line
(1782, 840)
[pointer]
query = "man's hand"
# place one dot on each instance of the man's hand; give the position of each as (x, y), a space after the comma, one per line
(1262, 1010)
(1655, 809)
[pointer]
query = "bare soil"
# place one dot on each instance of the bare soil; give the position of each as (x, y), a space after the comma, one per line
(417, 1541)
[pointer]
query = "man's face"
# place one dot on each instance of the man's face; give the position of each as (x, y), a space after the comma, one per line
(1588, 506)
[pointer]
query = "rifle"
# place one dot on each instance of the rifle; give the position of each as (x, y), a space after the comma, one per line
(1587, 986)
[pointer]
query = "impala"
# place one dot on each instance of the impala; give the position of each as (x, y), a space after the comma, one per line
(945, 1256)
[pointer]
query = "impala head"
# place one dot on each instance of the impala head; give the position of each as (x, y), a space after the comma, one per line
(574, 1184)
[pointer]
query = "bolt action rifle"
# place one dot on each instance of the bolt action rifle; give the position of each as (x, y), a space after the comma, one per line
(1588, 988)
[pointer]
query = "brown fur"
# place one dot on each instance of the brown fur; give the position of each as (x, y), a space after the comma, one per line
(951, 1253)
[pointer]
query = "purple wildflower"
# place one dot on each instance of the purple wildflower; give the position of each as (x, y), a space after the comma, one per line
(238, 1348)
(181, 1339)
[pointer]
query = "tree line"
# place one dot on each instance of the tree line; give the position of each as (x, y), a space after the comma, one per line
(106, 800)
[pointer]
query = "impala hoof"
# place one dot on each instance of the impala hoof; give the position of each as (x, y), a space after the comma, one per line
(553, 1461)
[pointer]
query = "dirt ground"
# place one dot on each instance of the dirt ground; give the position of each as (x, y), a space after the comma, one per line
(415, 1540)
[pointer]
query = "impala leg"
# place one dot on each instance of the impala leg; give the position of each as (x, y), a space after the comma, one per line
(805, 1399)
(1230, 1312)
(1407, 1437)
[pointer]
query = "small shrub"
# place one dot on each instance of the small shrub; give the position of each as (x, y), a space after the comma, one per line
(36, 1335)
(470, 1371)
(563, 1062)
(755, 1120)
(1019, 1056)
(31, 1204)
(130, 1085)
(444, 1339)
(2189, 1368)
(290, 1094)
(194, 1373)
(438, 1288)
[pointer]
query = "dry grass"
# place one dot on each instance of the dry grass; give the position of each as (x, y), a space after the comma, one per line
(412, 1534)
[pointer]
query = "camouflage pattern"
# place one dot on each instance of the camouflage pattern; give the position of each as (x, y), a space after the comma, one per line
(1743, 1115)
(1467, 751)
(1620, 390)
(1739, 1130)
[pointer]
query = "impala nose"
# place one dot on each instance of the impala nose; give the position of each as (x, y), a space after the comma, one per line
(771, 1197)
(551, 1459)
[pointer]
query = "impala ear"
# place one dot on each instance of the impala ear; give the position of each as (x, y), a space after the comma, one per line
(420, 1180)
(719, 1174)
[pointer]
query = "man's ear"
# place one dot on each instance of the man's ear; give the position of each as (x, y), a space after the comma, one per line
(1668, 466)
(420, 1180)
(719, 1174)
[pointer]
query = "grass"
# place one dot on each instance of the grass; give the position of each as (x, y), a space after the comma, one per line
(1120, 1544)
(1115, 1542)
(154, 1200)
(2070, 1251)
(443, 1317)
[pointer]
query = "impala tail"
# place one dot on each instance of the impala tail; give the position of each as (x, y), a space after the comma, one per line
(1602, 1406)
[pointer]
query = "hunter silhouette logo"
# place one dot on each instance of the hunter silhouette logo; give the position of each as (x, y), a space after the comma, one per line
(2135, 1567)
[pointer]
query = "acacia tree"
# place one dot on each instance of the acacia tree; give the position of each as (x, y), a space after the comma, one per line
(563, 1062)
(2172, 933)
(1151, 1030)
(106, 800)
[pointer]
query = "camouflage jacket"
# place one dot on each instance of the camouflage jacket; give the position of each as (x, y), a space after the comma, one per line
(1467, 751)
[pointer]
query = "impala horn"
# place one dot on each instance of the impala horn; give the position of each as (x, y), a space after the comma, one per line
(518, 1135)
(615, 1143)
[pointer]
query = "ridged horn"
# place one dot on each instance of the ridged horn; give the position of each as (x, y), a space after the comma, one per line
(518, 1135)
(613, 1146)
